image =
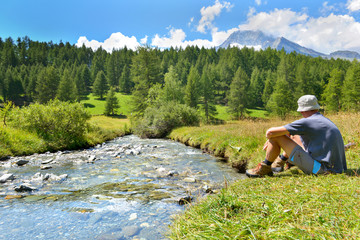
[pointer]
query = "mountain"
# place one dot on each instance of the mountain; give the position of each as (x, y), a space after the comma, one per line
(258, 40)
(350, 55)
(290, 46)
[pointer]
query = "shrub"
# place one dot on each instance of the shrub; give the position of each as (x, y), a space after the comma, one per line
(59, 123)
(159, 121)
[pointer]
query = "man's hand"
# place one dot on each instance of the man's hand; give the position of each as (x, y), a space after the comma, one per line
(266, 145)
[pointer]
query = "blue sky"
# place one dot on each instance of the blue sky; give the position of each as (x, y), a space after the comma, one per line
(325, 26)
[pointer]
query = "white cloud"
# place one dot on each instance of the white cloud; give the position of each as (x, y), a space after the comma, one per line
(323, 34)
(177, 38)
(353, 5)
(258, 2)
(208, 15)
(144, 40)
(115, 41)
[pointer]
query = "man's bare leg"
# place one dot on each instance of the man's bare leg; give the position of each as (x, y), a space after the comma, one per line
(276, 144)
(273, 147)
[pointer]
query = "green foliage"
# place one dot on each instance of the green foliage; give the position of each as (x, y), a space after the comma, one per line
(282, 100)
(58, 123)
(5, 111)
(332, 94)
(47, 84)
(112, 103)
(100, 85)
(160, 120)
(31, 70)
(351, 88)
(145, 72)
(173, 90)
(67, 88)
(192, 88)
(238, 95)
(207, 92)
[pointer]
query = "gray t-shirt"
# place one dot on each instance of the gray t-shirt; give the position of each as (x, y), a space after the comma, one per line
(322, 140)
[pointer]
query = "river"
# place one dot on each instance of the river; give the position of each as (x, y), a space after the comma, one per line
(127, 188)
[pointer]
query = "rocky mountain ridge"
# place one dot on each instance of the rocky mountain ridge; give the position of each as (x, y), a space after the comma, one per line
(259, 40)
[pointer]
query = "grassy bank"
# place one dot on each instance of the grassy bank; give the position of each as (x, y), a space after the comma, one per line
(19, 142)
(290, 205)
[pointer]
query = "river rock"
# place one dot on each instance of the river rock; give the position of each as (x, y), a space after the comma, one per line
(24, 188)
(173, 173)
(91, 159)
(22, 162)
(53, 177)
(6, 177)
(190, 180)
(133, 216)
(130, 231)
(47, 161)
(45, 167)
(185, 200)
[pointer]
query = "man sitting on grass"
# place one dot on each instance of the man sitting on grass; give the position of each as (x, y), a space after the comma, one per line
(313, 143)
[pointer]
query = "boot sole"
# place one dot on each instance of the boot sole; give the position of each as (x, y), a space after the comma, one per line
(257, 176)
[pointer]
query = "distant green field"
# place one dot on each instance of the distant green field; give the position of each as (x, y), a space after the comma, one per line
(97, 106)
(224, 115)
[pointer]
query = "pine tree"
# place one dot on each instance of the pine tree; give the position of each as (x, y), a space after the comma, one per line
(67, 90)
(173, 90)
(207, 91)
(192, 87)
(47, 84)
(145, 72)
(351, 88)
(281, 100)
(112, 103)
(125, 81)
(256, 88)
(270, 81)
(332, 93)
(100, 85)
(238, 94)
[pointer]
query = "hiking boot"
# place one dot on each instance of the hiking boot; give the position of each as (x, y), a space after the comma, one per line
(288, 166)
(260, 170)
(278, 165)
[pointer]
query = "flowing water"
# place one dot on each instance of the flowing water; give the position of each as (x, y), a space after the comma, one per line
(127, 188)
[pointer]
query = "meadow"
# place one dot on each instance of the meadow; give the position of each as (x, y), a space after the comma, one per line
(290, 205)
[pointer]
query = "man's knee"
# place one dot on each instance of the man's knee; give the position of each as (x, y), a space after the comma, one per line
(284, 142)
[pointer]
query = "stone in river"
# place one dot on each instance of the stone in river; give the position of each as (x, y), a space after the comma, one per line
(130, 231)
(6, 177)
(45, 167)
(189, 180)
(24, 188)
(21, 162)
(47, 161)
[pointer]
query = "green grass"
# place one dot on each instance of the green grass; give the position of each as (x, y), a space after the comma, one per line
(222, 113)
(14, 142)
(97, 107)
(290, 205)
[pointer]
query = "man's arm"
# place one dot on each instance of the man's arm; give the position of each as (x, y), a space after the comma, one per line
(276, 132)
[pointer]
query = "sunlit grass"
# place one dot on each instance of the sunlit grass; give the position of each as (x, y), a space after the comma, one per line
(290, 205)
(97, 107)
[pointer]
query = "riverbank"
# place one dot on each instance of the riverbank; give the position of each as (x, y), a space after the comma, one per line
(289, 205)
(15, 142)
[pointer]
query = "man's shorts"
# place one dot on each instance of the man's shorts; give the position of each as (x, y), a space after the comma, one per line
(305, 162)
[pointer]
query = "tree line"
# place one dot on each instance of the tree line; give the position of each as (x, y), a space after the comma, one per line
(32, 71)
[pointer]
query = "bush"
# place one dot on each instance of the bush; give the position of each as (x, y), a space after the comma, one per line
(159, 121)
(59, 123)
